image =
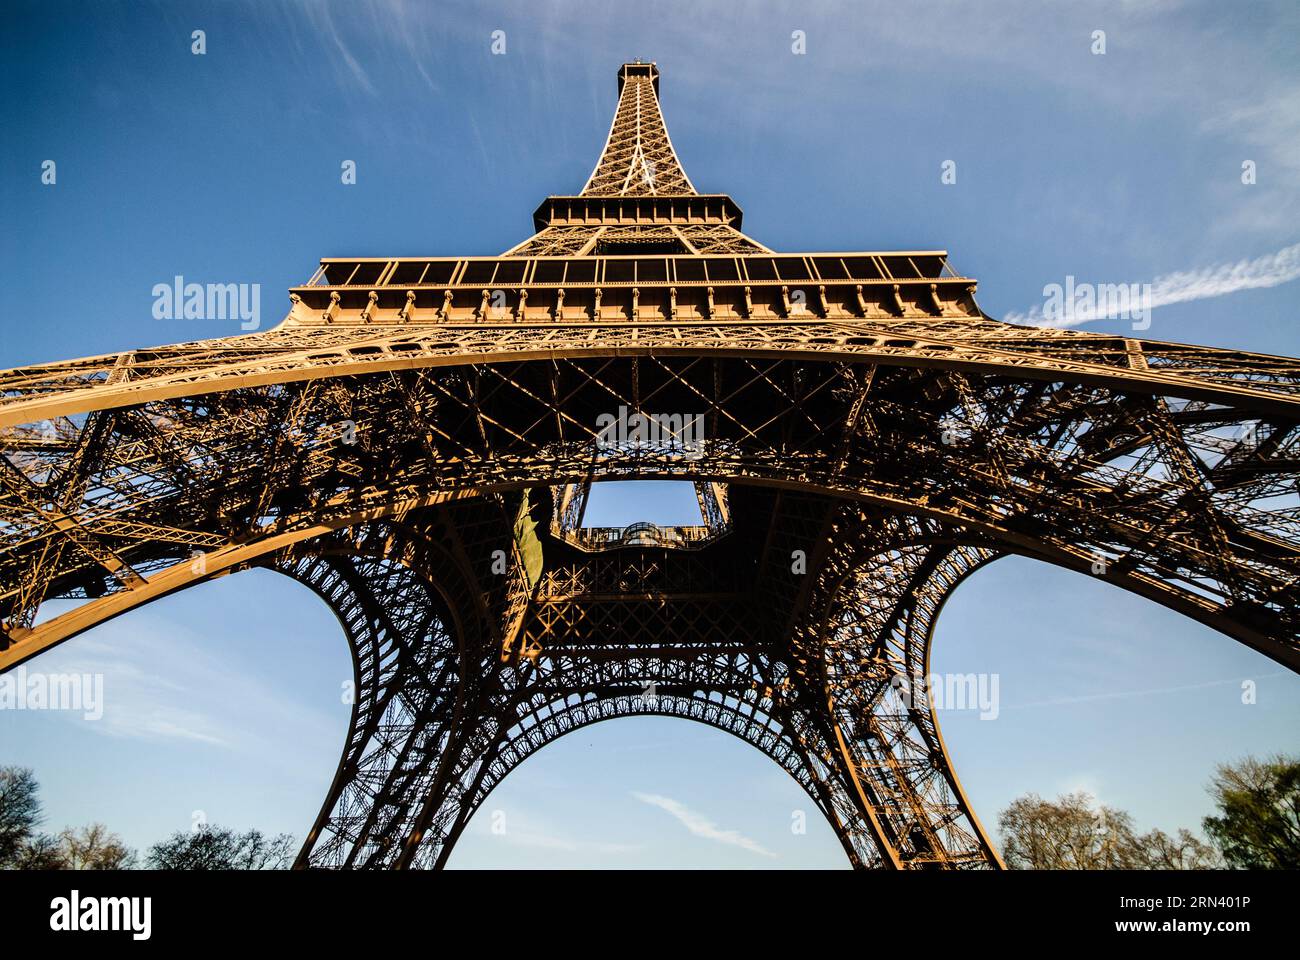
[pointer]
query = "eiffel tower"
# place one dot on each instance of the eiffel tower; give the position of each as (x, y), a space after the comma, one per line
(416, 440)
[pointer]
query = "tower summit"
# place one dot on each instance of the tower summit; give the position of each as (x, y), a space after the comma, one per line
(638, 198)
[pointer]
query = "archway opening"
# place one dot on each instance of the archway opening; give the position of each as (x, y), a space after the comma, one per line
(648, 792)
(225, 703)
(1096, 689)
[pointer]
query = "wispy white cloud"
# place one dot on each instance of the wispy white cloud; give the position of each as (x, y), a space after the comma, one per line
(161, 725)
(701, 826)
(142, 702)
(1129, 694)
(1183, 286)
(163, 682)
(322, 21)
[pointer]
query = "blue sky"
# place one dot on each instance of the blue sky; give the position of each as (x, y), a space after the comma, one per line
(1117, 168)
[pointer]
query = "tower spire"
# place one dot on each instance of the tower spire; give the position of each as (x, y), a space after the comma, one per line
(638, 199)
(638, 159)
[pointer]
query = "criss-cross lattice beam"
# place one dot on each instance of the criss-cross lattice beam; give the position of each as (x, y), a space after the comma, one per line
(1266, 385)
(1082, 474)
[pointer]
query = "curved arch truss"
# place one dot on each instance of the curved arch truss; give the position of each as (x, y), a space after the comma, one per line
(861, 434)
(440, 718)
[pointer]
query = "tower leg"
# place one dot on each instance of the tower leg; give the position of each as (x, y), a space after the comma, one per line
(862, 658)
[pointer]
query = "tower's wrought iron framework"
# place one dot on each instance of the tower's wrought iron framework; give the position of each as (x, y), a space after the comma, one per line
(415, 442)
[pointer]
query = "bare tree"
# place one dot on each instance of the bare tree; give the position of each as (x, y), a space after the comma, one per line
(1186, 851)
(1073, 834)
(94, 848)
(1067, 835)
(219, 848)
(40, 852)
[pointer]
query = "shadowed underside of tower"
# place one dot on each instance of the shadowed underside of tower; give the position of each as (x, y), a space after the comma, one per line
(416, 440)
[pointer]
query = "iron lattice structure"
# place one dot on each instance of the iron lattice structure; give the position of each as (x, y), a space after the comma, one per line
(416, 439)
